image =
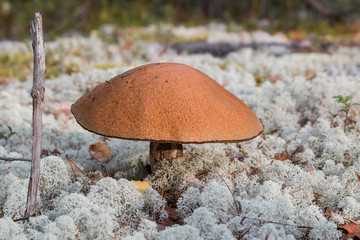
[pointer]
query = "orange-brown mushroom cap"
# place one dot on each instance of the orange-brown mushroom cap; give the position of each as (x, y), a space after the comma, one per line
(166, 102)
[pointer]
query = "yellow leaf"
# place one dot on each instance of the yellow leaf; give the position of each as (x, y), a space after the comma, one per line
(142, 185)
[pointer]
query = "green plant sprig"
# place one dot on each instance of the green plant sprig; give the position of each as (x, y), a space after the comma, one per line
(7, 137)
(346, 106)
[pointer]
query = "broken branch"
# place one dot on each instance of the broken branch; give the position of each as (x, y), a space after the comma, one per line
(9, 159)
(37, 94)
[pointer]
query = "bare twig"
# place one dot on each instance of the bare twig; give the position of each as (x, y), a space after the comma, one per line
(112, 237)
(9, 159)
(72, 165)
(267, 235)
(37, 94)
(78, 228)
(243, 233)
(274, 222)
(21, 219)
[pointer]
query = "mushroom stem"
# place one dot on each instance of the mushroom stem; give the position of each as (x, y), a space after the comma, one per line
(162, 151)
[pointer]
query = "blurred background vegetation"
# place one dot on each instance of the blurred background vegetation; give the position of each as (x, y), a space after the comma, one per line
(65, 17)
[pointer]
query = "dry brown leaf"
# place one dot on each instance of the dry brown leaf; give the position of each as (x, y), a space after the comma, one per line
(296, 35)
(352, 231)
(127, 46)
(254, 171)
(283, 156)
(274, 78)
(45, 152)
(63, 108)
(2, 80)
(174, 218)
(164, 223)
(310, 74)
(101, 151)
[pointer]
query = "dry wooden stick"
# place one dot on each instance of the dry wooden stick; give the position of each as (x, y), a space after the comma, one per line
(275, 222)
(37, 94)
(9, 159)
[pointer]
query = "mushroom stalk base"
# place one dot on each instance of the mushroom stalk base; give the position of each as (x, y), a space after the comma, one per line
(164, 151)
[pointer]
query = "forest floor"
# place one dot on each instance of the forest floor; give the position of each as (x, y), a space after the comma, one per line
(298, 180)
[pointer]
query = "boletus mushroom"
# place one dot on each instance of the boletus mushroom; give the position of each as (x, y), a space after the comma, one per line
(167, 104)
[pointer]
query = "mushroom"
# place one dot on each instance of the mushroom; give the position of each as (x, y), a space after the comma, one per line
(167, 104)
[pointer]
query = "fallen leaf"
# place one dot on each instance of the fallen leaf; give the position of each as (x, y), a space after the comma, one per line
(45, 153)
(254, 171)
(353, 111)
(174, 218)
(142, 185)
(310, 74)
(352, 231)
(274, 78)
(201, 174)
(283, 156)
(101, 152)
(164, 223)
(126, 46)
(2, 80)
(62, 108)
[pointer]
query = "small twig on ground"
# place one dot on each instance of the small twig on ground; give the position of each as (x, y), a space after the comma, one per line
(78, 228)
(268, 235)
(242, 233)
(112, 237)
(37, 94)
(72, 168)
(274, 222)
(346, 162)
(348, 220)
(357, 174)
(21, 219)
(72, 165)
(9, 159)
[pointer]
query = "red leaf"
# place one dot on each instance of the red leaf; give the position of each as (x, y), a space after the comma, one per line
(352, 231)
(283, 156)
